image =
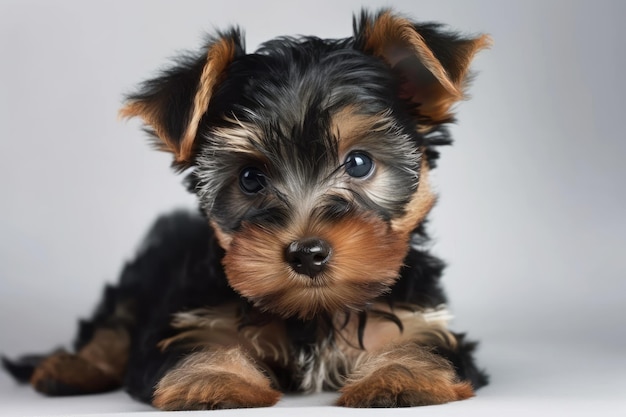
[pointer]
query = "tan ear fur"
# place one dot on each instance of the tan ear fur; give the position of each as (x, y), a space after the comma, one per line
(219, 57)
(396, 38)
(163, 100)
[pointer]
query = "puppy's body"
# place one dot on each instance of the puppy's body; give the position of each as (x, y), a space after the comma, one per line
(305, 271)
(302, 355)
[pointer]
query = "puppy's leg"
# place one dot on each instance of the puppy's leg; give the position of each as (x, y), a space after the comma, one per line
(224, 378)
(98, 366)
(403, 376)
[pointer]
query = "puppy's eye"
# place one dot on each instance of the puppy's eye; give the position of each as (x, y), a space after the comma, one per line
(252, 180)
(358, 164)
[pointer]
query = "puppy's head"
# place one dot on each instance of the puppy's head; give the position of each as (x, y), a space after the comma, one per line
(310, 157)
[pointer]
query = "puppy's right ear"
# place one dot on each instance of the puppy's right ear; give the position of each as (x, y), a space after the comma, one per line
(172, 104)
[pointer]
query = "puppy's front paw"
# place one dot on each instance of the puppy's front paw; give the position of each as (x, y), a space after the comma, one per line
(397, 386)
(403, 378)
(214, 380)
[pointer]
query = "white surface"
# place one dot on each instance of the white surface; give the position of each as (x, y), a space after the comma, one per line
(531, 214)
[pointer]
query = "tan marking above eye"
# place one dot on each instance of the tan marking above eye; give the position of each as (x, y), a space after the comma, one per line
(350, 127)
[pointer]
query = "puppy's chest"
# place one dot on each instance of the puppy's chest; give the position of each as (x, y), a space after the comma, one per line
(310, 357)
(331, 358)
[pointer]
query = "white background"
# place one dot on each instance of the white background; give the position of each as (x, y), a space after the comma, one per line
(532, 194)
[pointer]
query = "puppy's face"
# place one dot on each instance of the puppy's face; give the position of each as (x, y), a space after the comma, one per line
(308, 156)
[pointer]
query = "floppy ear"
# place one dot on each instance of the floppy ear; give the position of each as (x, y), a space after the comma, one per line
(172, 104)
(432, 64)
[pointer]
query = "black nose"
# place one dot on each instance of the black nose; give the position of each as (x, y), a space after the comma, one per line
(308, 256)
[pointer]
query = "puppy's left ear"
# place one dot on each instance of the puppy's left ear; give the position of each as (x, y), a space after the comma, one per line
(432, 65)
(172, 104)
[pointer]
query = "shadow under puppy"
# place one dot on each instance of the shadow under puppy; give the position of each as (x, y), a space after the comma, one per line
(305, 270)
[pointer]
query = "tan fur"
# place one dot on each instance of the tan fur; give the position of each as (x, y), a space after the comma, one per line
(219, 56)
(331, 359)
(344, 355)
(66, 373)
(223, 378)
(365, 261)
(406, 374)
(239, 137)
(219, 327)
(350, 127)
(150, 113)
(108, 351)
(390, 34)
(428, 326)
(392, 31)
(99, 366)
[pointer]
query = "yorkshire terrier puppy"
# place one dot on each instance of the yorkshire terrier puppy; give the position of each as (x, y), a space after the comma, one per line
(305, 269)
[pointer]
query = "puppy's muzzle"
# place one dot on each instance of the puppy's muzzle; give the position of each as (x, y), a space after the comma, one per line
(308, 256)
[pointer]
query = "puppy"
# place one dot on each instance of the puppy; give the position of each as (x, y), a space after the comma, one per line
(305, 268)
